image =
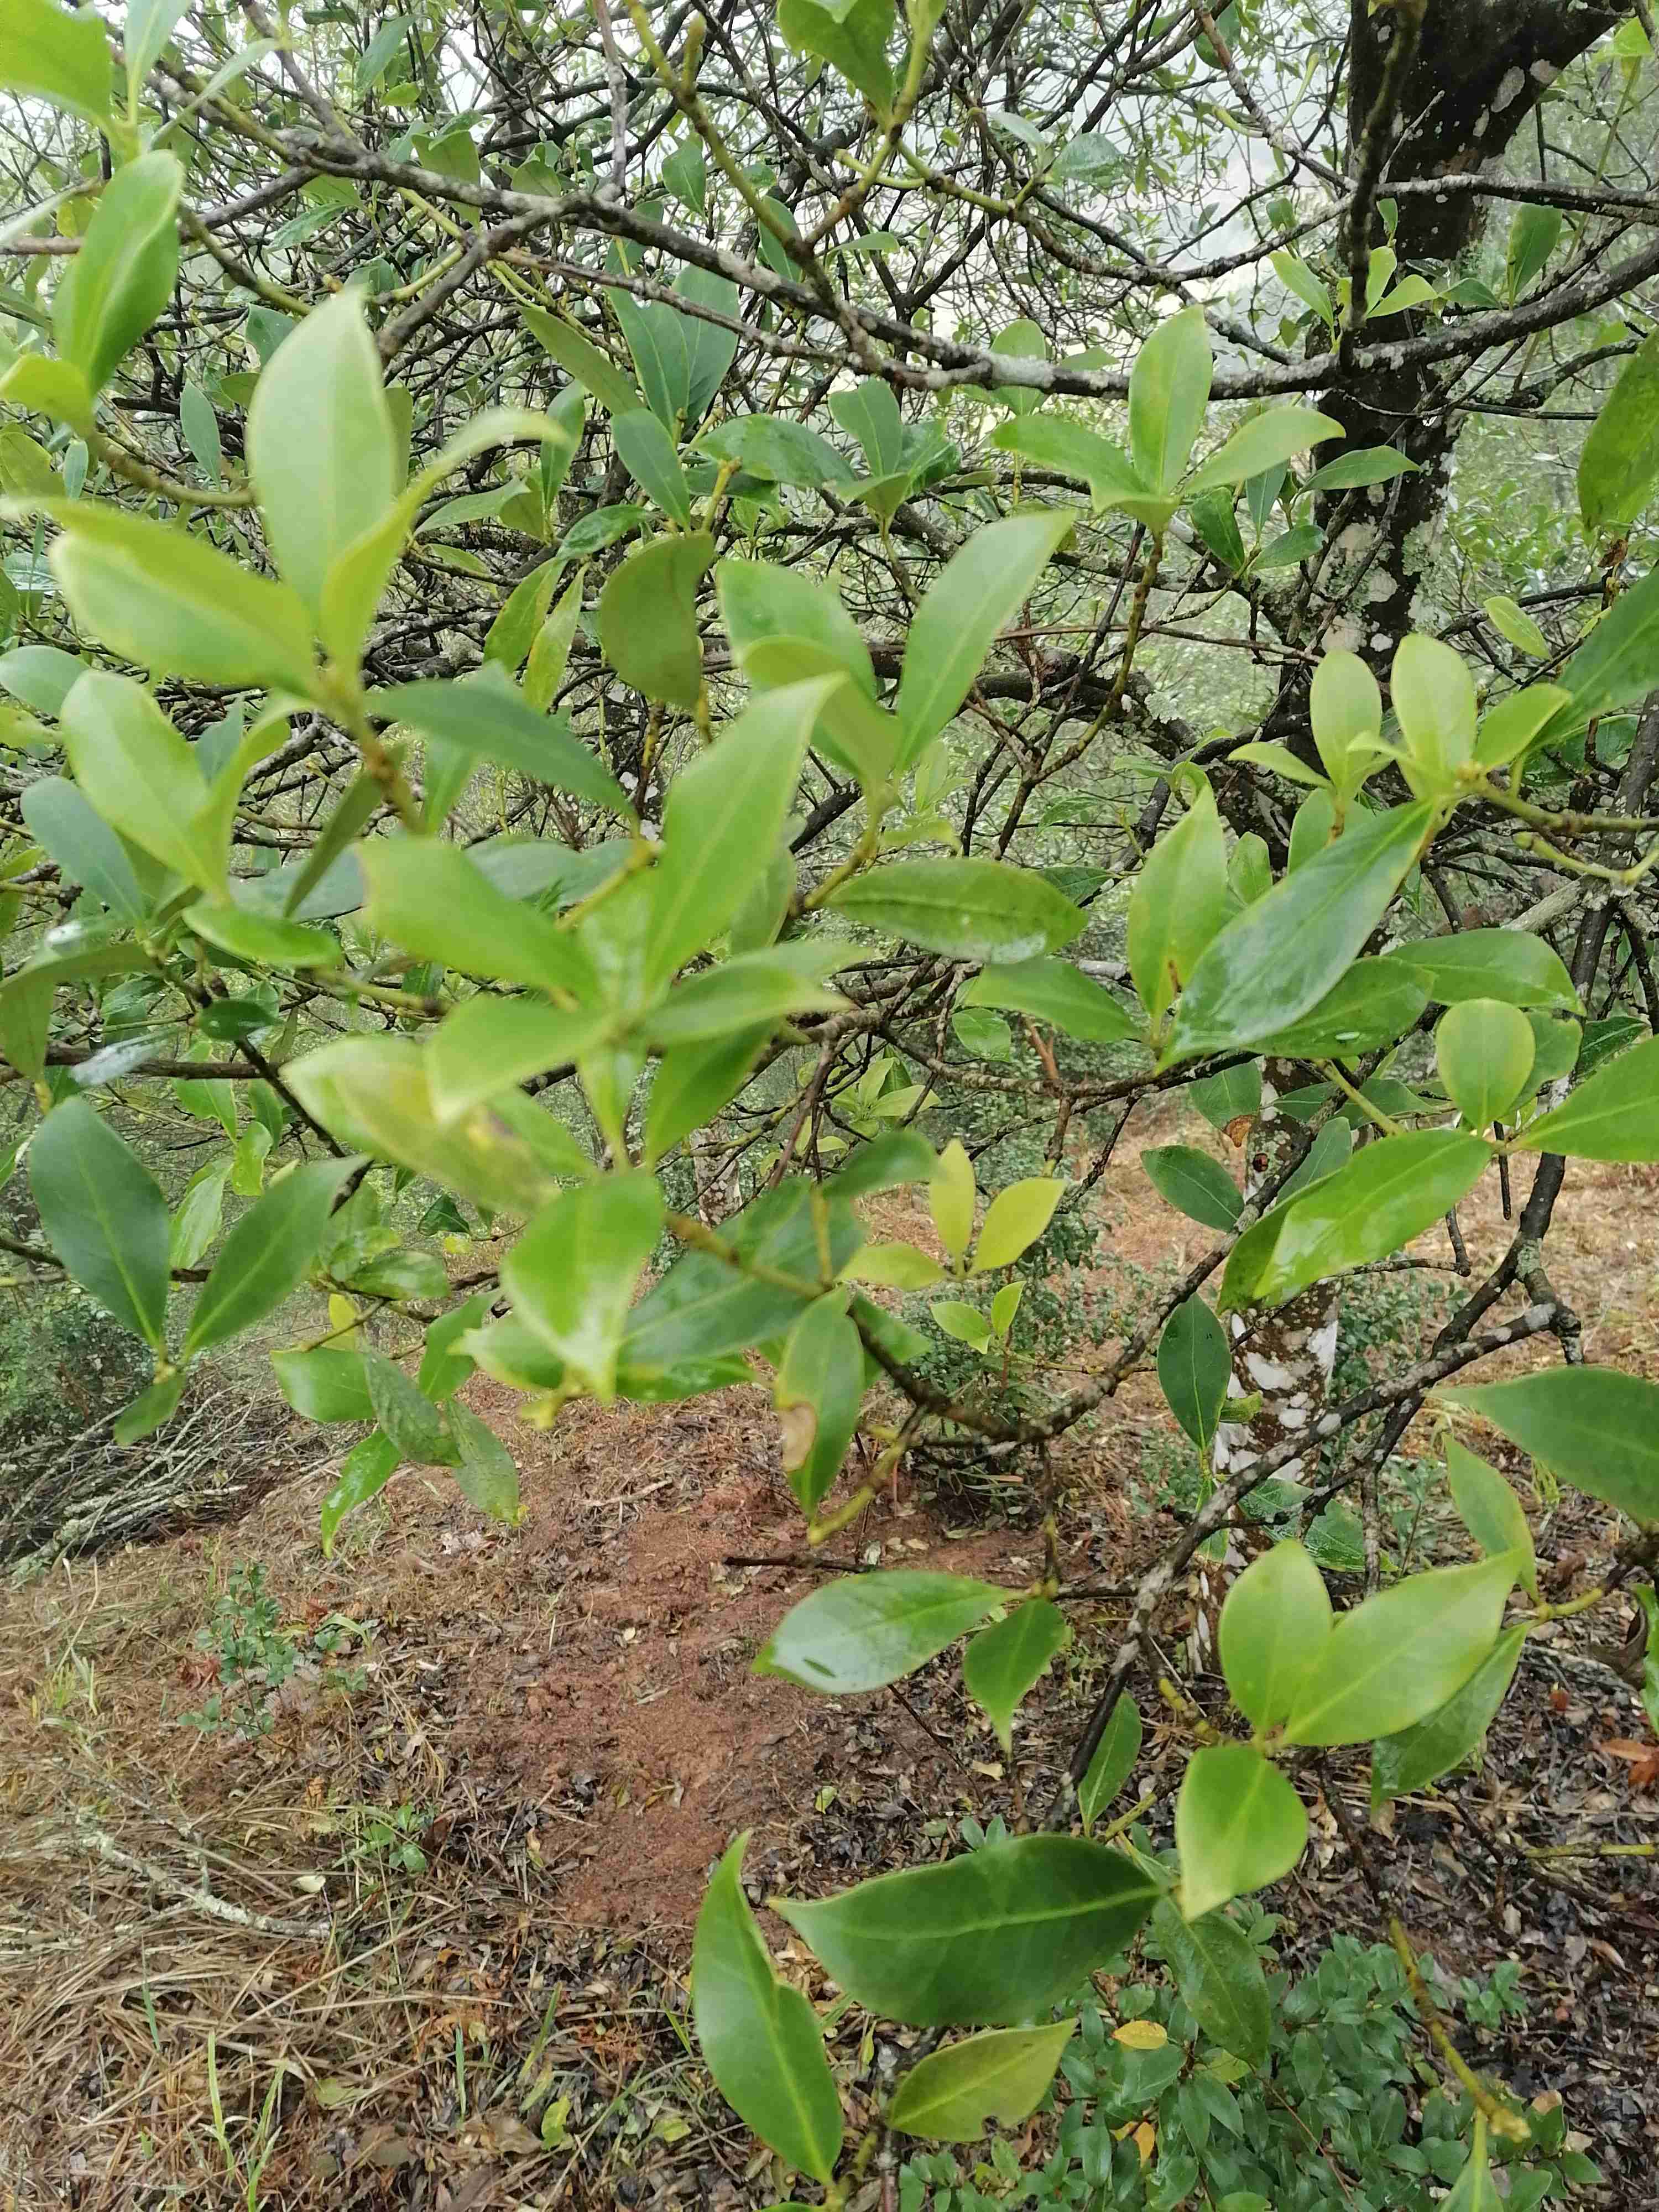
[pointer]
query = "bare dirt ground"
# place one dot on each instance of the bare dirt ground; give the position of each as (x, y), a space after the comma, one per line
(423, 1941)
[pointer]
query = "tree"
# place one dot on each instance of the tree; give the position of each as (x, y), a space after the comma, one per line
(597, 614)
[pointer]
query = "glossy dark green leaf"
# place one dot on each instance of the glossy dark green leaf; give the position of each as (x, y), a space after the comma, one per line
(967, 909)
(1445, 1738)
(1395, 1657)
(267, 1254)
(863, 1631)
(996, 1936)
(1193, 1183)
(761, 2037)
(1218, 1974)
(1002, 2075)
(1194, 1366)
(104, 1216)
(364, 1472)
(1005, 1662)
(1511, 964)
(1113, 1763)
(326, 1384)
(1239, 1825)
(648, 454)
(150, 1409)
(1280, 958)
(408, 1417)
(703, 1308)
(1373, 1004)
(1385, 1194)
(1596, 1427)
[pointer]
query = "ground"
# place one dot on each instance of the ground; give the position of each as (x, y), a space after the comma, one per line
(423, 1942)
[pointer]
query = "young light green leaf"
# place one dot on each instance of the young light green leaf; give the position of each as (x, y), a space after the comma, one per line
(1194, 1368)
(1113, 1763)
(865, 1631)
(572, 1274)
(967, 909)
(761, 2037)
(1366, 465)
(1596, 1427)
(1483, 1050)
(1054, 441)
(1014, 1220)
(995, 1936)
(1346, 705)
(487, 717)
(47, 52)
(1000, 2075)
(1264, 442)
(321, 449)
(1239, 1825)
(1279, 958)
(981, 587)
(1274, 1627)
(1397, 1657)
(1169, 390)
(1193, 1183)
(429, 897)
(1434, 702)
(1513, 624)
(1619, 465)
(266, 1255)
(1218, 1974)
(1613, 1114)
(963, 1323)
(104, 1216)
(1005, 1662)
(1053, 991)
(122, 275)
(489, 1043)
(1180, 901)
(1433, 1746)
(647, 620)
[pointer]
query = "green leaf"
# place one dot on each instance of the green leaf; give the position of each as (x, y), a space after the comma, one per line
(870, 413)
(1613, 1115)
(981, 587)
(694, 1082)
(648, 618)
(1194, 1368)
(1266, 442)
(1416, 1756)
(261, 939)
(133, 765)
(996, 1936)
(1483, 1050)
(1595, 1426)
(856, 45)
(1508, 731)
(1434, 702)
(1366, 465)
(1014, 1220)
(484, 1472)
(429, 897)
(123, 276)
(1385, 1194)
(1194, 1184)
(704, 1308)
(409, 1417)
(723, 820)
(266, 1255)
(1169, 390)
(1296, 277)
(200, 1210)
(1619, 465)
(171, 604)
(1278, 959)
(1113, 1763)
(326, 1385)
(1004, 1663)
(321, 450)
(1274, 1626)
(1533, 232)
(963, 1323)
(1398, 1656)
(1618, 663)
(1054, 441)
(1511, 964)
(1002, 2075)
(103, 1216)
(863, 1631)
(364, 1472)
(1238, 1825)
(967, 909)
(685, 174)
(48, 52)
(761, 2037)
(150, 1409)
(1053, 991)
(1182, 900)
(489, 1043)
(819, 1391)
(1373, 1005)
(647, 452)
(1220, 1979)
(950, 1198)
(487, 717)
(1346, 705)
(613, 388)
(572, 1274)
(87, 850)
(1513, 624)
(756, 989)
